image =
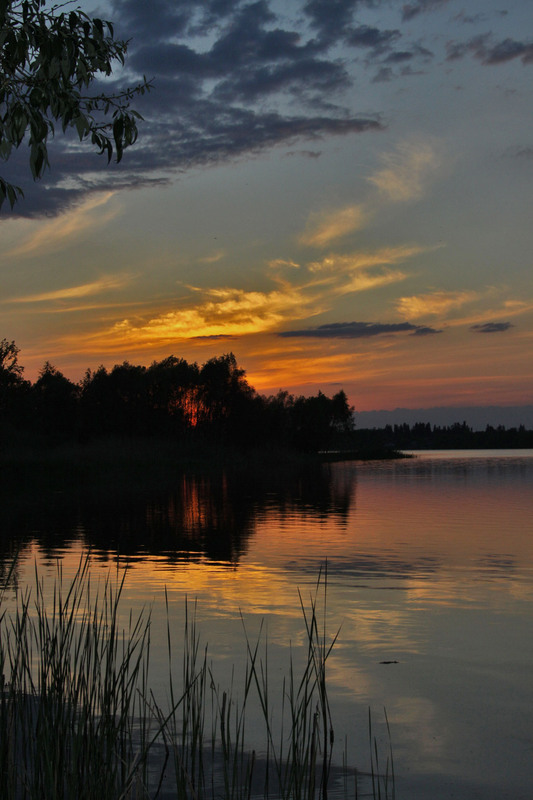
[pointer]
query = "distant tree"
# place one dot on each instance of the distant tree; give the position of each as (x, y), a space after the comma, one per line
(173, 392)
(94, 403)
(49, 57)
(13, 388)
(55, 403)
(225, 394)
(275, 417)
(341, 412)
(10, 370)
(116, 401)
(317, 421)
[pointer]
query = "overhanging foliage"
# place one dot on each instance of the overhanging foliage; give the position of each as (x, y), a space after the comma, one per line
(49, 58)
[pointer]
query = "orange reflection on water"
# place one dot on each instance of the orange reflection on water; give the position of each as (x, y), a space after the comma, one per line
(429, 586)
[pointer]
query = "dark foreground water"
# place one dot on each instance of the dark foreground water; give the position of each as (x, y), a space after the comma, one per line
(430, 578)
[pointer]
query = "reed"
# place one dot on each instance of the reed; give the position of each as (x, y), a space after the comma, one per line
(72, 715)
(78, 720)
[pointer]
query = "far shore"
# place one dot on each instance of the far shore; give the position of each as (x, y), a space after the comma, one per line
(136, 463)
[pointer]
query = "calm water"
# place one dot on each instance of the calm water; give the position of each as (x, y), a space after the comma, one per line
(430, 567)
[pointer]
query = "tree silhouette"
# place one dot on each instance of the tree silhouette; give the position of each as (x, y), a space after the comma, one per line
(10, 369)
(54, 403)
(318, 421)
(13, 387)
(225, 396)
(172, 386)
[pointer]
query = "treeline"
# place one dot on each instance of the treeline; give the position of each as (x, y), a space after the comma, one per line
(459, 436)
(170, 398)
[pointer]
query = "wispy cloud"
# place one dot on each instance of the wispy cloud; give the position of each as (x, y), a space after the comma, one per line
(281, 263)
(104, 284)
(407, 171)
(302, 292)
(405, 176)
(324, 227)
(52, 234)
(364, 281)
(212, 258)
(478, 312)
(384, 256)
(361, 271)
(434, 303)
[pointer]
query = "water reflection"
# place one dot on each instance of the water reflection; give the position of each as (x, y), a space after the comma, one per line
(399, 521)
(202, 517)
(430, 568)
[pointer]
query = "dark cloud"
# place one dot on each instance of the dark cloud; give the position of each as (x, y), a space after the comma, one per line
(393, 63)
(358, 330)
(399, 57)
(152, 20)
(469, 19)
(485, 50)
(411, 10)
(328, 17)
(230, 81)
(206, 133)
(509, 49)
(306, 153)
(231, 132)
(423, 330)
(170, 59)
(492, 327)
(216, 337)
(233, 78)
(374, 38)
(312, 76)
(521, 152)
(160, 20)
(384, 75)
(403, 56)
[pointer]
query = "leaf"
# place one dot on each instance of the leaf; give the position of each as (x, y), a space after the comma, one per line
(36, 161)
(12, 193)
(82, 126)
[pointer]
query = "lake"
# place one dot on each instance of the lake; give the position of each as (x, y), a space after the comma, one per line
(429, 565)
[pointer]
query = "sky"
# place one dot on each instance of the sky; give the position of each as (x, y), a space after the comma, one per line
(337, 191)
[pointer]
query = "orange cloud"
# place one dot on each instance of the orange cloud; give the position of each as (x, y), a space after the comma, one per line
(363, 281)
(213, 258)
(325, 226)
(223, 312)
(233, 312)
(434, 303)
(279, 263)
(360, 260)
(71, 292)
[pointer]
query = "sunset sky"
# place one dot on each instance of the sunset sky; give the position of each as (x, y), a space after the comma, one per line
(337, 191)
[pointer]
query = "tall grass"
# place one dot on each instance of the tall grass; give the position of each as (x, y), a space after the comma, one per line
(78, 720)
(72, 715)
